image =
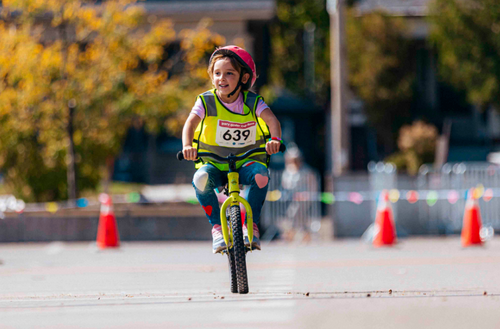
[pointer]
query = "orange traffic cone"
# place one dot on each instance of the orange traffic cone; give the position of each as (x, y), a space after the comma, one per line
(472, 221)
(107, 232)
(385, 229)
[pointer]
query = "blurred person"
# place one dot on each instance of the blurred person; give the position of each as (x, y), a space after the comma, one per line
(299, 183)
(232, 73)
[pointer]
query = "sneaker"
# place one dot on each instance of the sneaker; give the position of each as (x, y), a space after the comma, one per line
(256, 236)
(218, 239)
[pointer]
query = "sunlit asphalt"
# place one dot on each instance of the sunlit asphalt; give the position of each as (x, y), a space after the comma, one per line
(419, 283)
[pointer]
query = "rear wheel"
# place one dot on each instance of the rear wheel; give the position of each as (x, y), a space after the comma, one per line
(232, 271)
(239, 250)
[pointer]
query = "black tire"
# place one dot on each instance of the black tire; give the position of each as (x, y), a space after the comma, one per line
(239, 250)
(232, 271)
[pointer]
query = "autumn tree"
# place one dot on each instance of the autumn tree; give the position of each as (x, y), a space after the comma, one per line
(381, 71)
(417, 145)
(467, 37)
(73, 77)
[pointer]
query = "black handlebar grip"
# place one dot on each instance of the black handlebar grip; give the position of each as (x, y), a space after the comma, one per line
(282, 148)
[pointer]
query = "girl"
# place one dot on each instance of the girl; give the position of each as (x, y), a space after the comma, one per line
(230, 119)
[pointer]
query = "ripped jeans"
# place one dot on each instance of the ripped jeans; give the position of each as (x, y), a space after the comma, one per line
(208, 177)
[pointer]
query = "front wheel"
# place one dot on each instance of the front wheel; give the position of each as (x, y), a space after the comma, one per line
(232, 271)
(239, 250)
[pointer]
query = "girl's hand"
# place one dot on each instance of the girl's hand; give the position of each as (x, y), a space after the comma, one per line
(189, 153)
(273, 147)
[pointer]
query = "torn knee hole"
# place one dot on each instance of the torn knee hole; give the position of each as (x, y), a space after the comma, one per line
(200, 180)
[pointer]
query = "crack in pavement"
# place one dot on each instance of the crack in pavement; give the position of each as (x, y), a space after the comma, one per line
(43, 302)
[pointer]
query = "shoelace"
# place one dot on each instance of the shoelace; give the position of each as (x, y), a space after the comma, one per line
(255, 230)
(217, 234)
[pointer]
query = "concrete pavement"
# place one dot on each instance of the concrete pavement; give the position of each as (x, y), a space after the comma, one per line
(420, 283)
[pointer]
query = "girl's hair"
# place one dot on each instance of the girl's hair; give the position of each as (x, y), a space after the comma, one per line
(234, 63)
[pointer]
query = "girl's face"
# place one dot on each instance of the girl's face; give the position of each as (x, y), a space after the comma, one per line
(226, 77)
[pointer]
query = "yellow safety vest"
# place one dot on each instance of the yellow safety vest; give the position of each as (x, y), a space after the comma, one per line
(222, 131)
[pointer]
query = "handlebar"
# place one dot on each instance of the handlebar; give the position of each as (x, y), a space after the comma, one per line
(180, 155)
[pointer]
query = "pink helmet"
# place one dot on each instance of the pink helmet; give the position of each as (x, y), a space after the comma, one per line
(241, 56)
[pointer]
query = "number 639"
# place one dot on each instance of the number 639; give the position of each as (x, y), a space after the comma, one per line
(236, 136)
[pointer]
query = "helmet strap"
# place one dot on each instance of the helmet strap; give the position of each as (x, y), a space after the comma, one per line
(235, 89)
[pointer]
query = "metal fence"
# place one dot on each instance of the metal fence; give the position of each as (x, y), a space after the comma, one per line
(293, 207)
(441, 195)
(452, 182)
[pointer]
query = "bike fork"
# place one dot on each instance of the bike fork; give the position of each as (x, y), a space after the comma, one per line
(235, 199)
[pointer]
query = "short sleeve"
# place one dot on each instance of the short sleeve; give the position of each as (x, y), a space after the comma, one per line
(261, 106)
(198, 108)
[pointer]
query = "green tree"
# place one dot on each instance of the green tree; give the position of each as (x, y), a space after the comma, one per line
(287, 48)
(74, 76)
(381, 70)
(467, 37)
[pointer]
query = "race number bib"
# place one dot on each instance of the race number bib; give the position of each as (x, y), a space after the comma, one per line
(234, 134)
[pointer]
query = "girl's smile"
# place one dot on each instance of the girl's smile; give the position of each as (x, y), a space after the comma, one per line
(225, 79)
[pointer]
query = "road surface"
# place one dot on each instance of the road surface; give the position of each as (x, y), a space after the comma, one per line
(420, 283)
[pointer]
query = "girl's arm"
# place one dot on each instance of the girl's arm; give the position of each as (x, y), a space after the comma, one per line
(188, 150)
(274, 125)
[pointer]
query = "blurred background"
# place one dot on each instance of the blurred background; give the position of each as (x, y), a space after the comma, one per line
(401, 95)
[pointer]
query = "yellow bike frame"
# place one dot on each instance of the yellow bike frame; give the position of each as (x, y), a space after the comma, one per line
(235, 199)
